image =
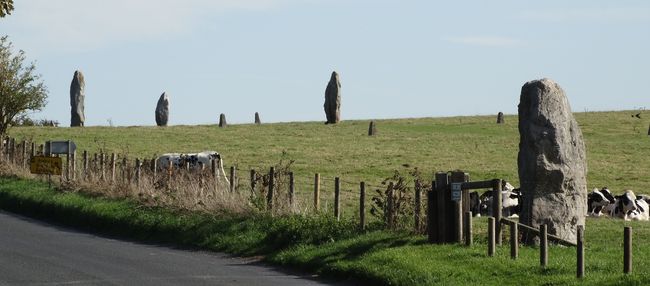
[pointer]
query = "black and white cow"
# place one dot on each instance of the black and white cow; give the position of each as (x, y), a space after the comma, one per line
(599, 200)
(624, 205)
(509, 202)
(193, 160)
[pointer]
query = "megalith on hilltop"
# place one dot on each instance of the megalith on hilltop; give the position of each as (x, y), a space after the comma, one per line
(332, 104)
(552, 161)
(77, 96)
(162, 110)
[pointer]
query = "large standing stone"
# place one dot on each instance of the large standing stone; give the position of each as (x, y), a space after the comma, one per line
(552, 161)
(77, 96)
(162, 110)
(333, 100)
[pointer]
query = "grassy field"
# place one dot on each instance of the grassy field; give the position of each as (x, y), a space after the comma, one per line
(617, 147)
(339, 249)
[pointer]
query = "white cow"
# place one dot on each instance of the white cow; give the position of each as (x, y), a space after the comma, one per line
(194, 160)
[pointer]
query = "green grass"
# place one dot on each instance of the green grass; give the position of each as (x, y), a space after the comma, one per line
(617, 148)
(337, 249)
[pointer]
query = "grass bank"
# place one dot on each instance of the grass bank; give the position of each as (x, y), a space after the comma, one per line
(337, 249)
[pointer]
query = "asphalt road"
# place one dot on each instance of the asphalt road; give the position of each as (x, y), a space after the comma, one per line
(35, 253)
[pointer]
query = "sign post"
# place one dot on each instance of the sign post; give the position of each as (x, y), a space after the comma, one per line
(45, 165)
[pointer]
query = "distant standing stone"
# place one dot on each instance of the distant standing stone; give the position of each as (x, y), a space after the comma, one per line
(372, 129)
(552, 161)
(332, 104)
(222, 120)
(500, 118)
(77, 96)
(257, 118)
(162, 110)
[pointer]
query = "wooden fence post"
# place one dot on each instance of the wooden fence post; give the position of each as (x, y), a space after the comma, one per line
(125, 170)
(627, 250)
(468, 229)
(24, 154)
(292, 192)
(543, 245)
(337, 198)
(102, 164)
(154, 168)
(317, 192)
(33, 150)
(253, 181)
(232, 178)
(12, 155)
(514, 240)
(432, 222)
(491, 236)
(269, 195)
(362, 205)
(85, 164)
(418, 203)
(170, 171)
(112, 167)
(497, 202)
(137, 171)
(389, 206)
(580, 252)
(68, 164)
(73, 157)
(95, 163)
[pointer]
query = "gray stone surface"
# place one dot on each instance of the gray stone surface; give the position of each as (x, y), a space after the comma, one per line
(257, 118)
(77, 96)
(372, 129)
(552, 161)
(222, 120)
(500, 118)
(332, 104)
(162, 110)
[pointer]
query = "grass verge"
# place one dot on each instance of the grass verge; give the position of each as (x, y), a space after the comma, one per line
(323, 245)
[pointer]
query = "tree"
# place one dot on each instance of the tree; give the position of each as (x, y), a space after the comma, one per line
(21, 90)
(6, 6)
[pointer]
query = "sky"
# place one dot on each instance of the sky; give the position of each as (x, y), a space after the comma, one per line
(396, 59)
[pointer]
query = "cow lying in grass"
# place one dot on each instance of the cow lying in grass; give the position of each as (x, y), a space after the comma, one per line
(626, 206)
(193, 160)
(482, 205)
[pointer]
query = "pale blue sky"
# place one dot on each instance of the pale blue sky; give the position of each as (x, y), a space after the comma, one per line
(395, 58)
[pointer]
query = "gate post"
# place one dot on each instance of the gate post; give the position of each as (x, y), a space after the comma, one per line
(443, 198)
(497, 202)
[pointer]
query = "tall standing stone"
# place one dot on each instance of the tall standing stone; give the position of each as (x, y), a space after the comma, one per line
(222, 120)
(77, 96)
(649, 130)
(332, 104)
(257, 119)
(552, 161)
(162, 110)
(500, 118)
